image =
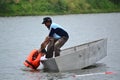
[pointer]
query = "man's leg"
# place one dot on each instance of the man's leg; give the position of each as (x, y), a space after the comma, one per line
(50, 49)
(58, 44)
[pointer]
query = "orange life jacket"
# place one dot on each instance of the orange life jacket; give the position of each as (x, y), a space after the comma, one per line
(33, 59)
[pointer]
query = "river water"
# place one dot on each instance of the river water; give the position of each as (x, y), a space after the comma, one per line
(20, 35)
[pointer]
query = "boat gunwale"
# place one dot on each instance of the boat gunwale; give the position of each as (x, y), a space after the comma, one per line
(84, 44)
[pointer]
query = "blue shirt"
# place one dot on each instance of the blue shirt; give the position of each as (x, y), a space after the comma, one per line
(56, 31)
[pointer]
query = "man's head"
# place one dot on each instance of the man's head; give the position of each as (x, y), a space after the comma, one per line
(47, 21)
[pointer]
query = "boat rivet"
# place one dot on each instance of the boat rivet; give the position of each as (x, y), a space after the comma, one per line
(75, 49)
(80, 55)
(98, 48)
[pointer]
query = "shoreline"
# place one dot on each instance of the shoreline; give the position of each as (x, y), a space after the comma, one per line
(59, 14)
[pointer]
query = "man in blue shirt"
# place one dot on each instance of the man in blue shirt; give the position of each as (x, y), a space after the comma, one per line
(56, 39)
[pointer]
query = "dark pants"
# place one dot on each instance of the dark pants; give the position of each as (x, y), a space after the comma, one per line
(55, 45)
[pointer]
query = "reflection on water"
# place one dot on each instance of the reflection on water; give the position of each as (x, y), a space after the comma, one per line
(41, 75)
(95, 68)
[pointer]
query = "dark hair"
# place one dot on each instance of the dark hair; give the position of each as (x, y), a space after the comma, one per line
(47, 19)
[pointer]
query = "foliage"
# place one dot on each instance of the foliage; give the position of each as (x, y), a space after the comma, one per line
(50, 7)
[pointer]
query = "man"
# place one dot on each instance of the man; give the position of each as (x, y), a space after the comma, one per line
(56, 39)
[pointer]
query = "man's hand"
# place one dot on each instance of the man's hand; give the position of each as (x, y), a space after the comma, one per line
(42, 47)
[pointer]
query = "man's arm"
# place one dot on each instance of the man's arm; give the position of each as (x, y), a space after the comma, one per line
(46, 41)
(44, 44)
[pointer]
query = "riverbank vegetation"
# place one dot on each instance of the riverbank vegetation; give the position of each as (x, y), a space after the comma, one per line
(55, 7)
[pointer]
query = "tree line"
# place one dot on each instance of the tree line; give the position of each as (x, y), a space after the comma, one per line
(43, 7)
(17, 1)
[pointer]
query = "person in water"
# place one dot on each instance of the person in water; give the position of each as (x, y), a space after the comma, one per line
(33, 59)
(56, 38)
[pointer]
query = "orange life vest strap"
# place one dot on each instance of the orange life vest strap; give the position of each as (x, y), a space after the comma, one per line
(30, 64)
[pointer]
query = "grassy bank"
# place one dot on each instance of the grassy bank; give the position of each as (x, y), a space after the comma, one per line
(53, 7)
